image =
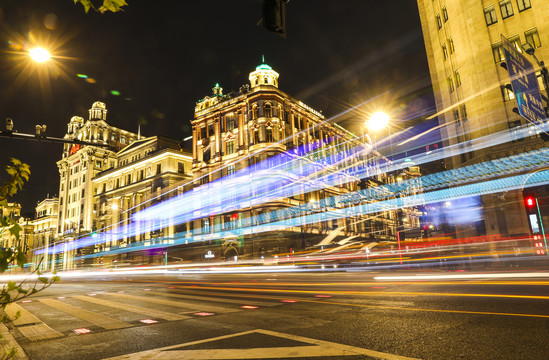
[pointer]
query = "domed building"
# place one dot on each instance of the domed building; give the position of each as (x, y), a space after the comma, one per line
(260, 132)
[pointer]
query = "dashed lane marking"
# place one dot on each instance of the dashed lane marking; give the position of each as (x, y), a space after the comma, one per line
(92, 317)
(308, 348)
(136, 309)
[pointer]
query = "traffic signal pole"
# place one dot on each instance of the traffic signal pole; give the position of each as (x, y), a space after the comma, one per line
(542, 229)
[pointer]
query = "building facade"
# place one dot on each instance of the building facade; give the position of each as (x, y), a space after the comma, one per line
(78, 166)
(473, 94)
(149, 171)
(252, 132)
(45, 227)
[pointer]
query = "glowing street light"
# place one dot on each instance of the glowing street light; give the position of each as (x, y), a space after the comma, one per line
(378, 121)
(39, 54)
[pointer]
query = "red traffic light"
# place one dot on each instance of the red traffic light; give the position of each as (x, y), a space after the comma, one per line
(530, 201)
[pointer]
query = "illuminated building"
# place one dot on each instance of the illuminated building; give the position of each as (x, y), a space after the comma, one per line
(81, 163)
(45, 231)
(474, 100)
(147, 172)
(241, 135)
(9, 211)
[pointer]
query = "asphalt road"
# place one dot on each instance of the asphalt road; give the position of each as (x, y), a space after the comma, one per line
(332, 315)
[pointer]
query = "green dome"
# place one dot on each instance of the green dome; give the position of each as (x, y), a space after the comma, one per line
(263, 67)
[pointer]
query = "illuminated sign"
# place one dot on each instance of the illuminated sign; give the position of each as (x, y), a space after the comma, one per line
(534, 225)
(74, 149)
(209, 255)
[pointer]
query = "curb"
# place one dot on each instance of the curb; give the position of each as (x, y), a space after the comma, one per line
(11, 343)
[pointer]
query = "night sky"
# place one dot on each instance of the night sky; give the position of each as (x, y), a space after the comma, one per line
(164, 56)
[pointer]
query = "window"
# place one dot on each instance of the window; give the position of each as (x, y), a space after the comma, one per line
(97, 163)
(297, 122)
(61, 201)
(451, 45)
(515, 40)
(456, 114)
(507, 92)
(230, 171)
(497, 50)
(514, 128)
(83, 192)
(210, 130)
(158, 169)
(506, 9)
(458, 78)
(180, 168)
(463, 109)
(203, 132)
(254, 112)
(490, 15)
(268, 110)
(532, 38)
(230, 122)
(123, 139)
(444, 51)
(445, 14)
(229, 147)
(439, 22)
(450, 84)
(523, 5)
(256, 137)
(269, 133)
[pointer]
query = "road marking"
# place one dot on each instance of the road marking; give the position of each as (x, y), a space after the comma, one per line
(25, 318)
(216, 299)
(100, 320)
(39, 332)
(203, 307)
(314, 348)
(136, 309)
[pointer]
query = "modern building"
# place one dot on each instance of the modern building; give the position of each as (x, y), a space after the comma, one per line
(463, 41)
(249, 134)
(78, 166)
(45, 227)
(149, 171)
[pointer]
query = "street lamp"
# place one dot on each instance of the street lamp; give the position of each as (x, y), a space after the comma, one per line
(39, 54)
(378, 121)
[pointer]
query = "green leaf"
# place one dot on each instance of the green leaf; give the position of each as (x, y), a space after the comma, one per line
(55, 278)
(43, 280)
(11, 285)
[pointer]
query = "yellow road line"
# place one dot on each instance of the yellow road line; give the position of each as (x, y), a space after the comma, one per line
(136, 309)
(100, 320)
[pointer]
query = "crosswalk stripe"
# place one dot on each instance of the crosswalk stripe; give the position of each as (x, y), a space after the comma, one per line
(136, 309)
(215, 299)
(39, 332)
(25, 318)
(202, 307)
(100, 320)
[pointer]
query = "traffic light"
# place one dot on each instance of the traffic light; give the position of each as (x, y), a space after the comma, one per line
(274, 16)
(530, 202)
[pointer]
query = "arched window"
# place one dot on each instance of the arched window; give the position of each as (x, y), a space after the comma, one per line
(269, 135)
(266, 80)
(268, 110)
(254, 112)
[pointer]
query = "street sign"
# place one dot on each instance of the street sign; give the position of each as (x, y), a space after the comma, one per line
(525, 84)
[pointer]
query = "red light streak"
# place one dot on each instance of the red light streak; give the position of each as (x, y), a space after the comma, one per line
(323, 296)
(82, 331)
(249, 307)
(288, 301)
(148, 321)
